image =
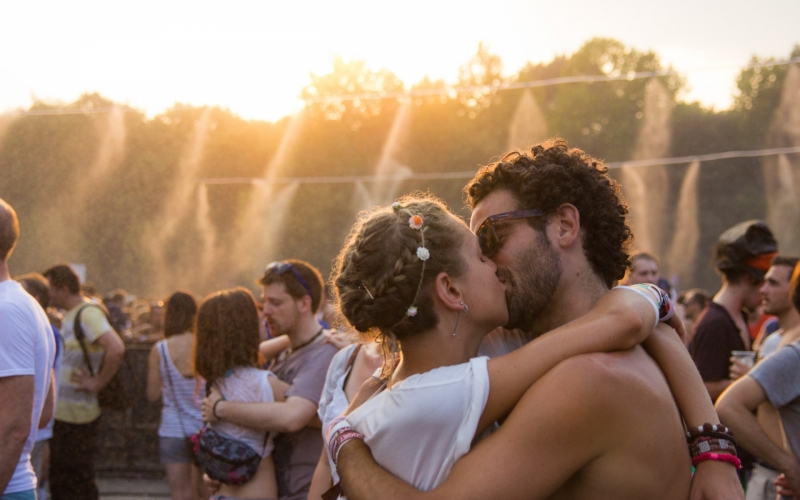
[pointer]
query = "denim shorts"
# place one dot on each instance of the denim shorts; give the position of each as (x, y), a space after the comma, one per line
(175, 450)
(20, 495)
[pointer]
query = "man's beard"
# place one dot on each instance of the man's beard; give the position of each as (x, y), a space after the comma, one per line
(533, 284)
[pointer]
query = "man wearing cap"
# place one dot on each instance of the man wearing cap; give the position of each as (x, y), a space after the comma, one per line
(292, 293)
(742, 256)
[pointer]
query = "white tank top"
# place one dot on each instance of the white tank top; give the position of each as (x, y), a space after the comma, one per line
(420, 427)
(180, 416)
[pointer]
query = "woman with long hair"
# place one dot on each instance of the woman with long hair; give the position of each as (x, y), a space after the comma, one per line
(227, 357)
(171, 378)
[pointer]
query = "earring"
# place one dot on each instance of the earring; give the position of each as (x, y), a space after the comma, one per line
(458, 315)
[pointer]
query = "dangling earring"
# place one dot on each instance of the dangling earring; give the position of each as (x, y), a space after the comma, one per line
(466, 309)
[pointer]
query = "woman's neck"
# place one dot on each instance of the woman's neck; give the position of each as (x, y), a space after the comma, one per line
(435, 348)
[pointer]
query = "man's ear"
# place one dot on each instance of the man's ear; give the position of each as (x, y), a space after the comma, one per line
(448, 292)
(567, 225)
(304, 304)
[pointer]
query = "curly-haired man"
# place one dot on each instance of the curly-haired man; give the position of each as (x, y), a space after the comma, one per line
(599, 426)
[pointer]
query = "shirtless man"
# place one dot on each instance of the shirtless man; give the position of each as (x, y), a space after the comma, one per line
(599, 426)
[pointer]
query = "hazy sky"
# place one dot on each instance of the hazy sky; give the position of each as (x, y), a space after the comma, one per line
(254, 57)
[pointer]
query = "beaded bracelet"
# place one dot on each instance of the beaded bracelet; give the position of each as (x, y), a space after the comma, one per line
(704, 429)
(717, 457)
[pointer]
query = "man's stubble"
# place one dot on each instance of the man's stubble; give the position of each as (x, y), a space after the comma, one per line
(537, 272)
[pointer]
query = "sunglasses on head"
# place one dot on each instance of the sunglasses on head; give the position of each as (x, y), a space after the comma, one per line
(280, 267)
(487, 237)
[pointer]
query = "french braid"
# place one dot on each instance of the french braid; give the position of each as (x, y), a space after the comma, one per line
(377, 273)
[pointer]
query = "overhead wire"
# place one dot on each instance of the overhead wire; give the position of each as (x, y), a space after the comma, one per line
(346, 179)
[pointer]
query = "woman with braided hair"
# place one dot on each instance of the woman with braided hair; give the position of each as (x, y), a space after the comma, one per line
(413, 277)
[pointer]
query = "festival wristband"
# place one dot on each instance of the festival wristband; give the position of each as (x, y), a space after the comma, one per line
(665, 308)
(339, 438)
(646, 296)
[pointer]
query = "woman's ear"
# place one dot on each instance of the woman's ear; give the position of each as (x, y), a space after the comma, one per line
(448, 292)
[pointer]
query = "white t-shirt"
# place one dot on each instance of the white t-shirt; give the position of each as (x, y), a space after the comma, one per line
(420, 427)
(334, 401)
(27, 347)
(246, 385)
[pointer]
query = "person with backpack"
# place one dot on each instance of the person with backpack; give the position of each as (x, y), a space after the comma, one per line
(93, 352)
(226, 350)
(171, 378)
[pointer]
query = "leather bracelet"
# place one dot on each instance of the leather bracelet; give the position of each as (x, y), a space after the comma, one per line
(705, 429)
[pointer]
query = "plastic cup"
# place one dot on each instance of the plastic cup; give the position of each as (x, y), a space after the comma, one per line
(747, 358)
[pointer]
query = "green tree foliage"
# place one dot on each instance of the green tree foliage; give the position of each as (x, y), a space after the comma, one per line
(70, 212)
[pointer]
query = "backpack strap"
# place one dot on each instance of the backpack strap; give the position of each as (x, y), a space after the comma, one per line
(81, 338)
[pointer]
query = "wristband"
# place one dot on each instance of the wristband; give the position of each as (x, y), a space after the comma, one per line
(646, 296)
(214, 408)
(665, 310)
(717, 457)
(339, 438)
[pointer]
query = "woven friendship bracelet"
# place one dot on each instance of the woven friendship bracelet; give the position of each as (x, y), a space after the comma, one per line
(644, 295)
(717, 457)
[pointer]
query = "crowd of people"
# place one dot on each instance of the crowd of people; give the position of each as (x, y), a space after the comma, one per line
(525, 354)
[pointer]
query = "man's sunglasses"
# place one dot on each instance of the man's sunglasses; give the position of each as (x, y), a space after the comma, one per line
(280, 267)
(487, 237)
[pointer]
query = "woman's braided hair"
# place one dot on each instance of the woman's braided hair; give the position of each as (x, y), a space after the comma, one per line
(377, 273)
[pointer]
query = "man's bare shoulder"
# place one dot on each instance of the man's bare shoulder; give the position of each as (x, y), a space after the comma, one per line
(608, 377)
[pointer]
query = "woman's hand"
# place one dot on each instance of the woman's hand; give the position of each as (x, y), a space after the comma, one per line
(716, 481)
(207, 408)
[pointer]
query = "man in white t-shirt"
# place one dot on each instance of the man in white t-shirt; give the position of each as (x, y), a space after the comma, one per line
(27, 352)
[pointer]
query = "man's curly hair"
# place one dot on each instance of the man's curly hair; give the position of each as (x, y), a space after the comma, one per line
(549, 175)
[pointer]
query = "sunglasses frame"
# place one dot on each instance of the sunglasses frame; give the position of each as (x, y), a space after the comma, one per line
(488, 224)
(280, 267)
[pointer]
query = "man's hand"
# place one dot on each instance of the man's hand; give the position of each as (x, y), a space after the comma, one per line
(716, 481)
(737, 369)
(207, 408)
(86, 382)
(789, 482)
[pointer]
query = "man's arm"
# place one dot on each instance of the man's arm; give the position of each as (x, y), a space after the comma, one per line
(500, 466)
(154, 375)
(289, 416)
(735, 408)
(712, 480)
(49, 403)
(16, 410)
(716, 387)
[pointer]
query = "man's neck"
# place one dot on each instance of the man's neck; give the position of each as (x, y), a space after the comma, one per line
(577, 293)
(790, 335)
(789, 320)
(304, 330)
(730, 297)
(4, 274)
(73, 301)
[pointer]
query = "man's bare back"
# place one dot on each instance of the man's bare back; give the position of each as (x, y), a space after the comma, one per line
(598, 426)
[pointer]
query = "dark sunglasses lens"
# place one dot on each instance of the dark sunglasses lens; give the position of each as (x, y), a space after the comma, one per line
(486, 240)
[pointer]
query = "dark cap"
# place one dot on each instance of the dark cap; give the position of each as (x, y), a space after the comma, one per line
(748, 245)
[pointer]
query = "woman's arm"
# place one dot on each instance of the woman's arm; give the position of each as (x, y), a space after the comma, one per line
(323, 479)
(272, 347)
(154, 375)
(620, 320)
